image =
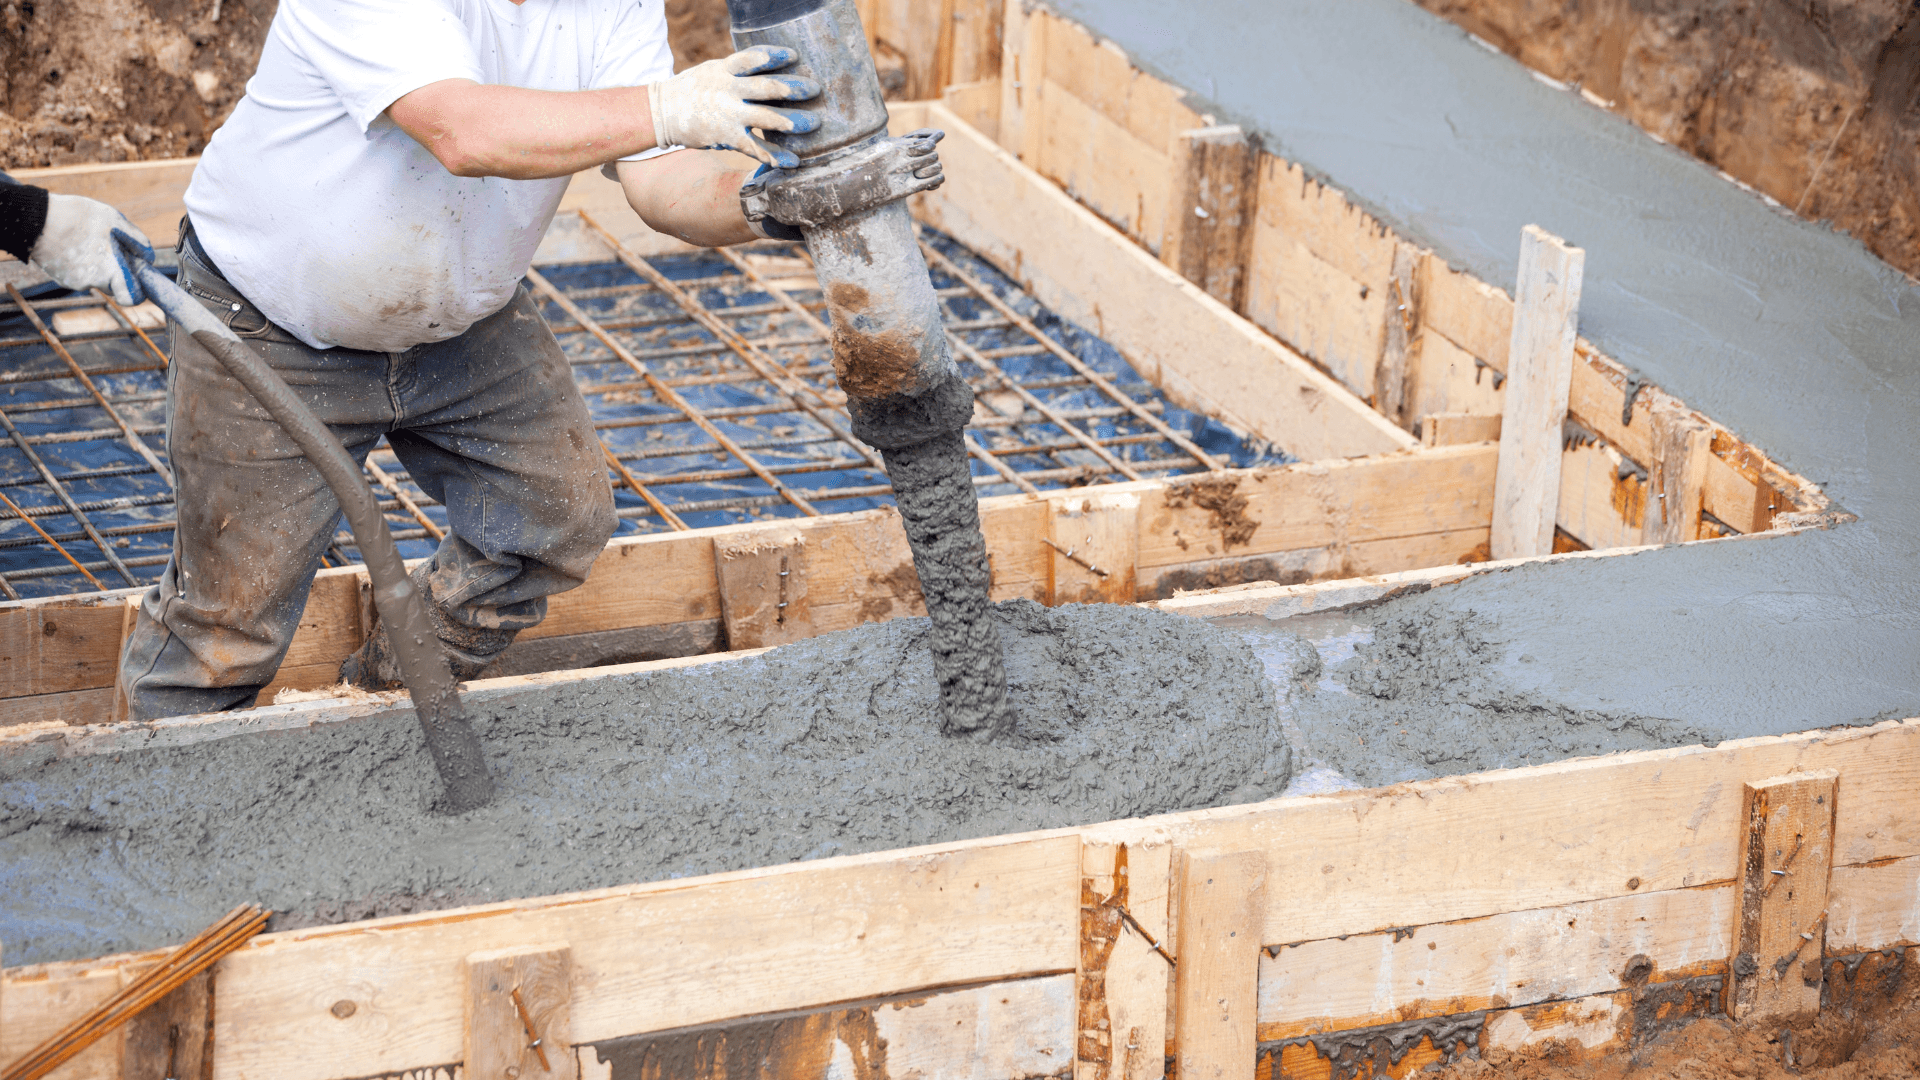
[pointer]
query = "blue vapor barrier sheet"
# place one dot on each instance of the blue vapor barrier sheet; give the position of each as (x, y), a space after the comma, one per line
(66, 462)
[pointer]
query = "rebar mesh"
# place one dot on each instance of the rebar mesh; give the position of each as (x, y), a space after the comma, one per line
(708, 376)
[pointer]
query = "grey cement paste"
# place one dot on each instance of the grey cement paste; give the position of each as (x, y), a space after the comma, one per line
(825, 747)
(1412, 690)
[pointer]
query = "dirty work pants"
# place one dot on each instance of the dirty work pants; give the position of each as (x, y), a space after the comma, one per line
(489, 423)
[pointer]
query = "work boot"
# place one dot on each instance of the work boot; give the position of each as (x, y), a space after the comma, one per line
(374, 666)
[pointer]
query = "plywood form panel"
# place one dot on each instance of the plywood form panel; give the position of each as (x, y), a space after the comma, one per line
(1104, 165)
(1874, 906)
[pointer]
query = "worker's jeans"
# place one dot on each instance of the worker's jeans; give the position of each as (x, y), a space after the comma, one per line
(489, 423)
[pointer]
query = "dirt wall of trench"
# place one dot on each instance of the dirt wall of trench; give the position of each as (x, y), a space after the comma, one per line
(1815, 102)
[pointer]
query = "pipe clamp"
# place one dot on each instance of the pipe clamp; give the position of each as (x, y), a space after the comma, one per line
(874, 174)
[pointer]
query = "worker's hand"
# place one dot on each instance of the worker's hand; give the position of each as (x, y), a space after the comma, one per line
(77, 249)
(715, 105)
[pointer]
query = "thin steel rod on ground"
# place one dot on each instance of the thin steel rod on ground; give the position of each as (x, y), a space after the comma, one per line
(400, 495)
(15, 507)
(121, 314)
(666, 393)
(53, 342)
(1033, 402)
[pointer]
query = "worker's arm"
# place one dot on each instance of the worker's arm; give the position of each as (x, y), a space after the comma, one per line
(507, 131)
(71, 238)
(692, 194)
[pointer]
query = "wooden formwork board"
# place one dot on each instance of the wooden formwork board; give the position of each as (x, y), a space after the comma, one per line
(1493, 909)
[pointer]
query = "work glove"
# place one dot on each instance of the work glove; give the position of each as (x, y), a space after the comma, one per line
(715, 105)
(78, 248)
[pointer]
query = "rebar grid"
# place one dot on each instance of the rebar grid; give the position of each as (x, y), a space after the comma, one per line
(708, 376)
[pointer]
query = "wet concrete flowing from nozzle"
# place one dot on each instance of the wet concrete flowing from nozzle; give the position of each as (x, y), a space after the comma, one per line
(933, 487)
(825, 747)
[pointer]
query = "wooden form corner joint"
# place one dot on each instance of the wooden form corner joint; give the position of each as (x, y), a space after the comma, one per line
(1546, 308)
(519, 1015)
(1222, 904)
(1786, 861)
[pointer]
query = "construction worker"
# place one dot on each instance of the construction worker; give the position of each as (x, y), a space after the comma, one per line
(364, 220)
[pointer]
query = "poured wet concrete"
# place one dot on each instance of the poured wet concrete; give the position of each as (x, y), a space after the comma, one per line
(1788, 333)
(825, 747)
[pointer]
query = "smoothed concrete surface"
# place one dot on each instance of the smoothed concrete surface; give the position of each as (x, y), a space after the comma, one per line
(1788, 333)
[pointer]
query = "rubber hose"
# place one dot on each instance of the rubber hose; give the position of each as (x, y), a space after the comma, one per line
(451, 742)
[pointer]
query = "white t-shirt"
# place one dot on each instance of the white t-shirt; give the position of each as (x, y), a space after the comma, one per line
(336, 223)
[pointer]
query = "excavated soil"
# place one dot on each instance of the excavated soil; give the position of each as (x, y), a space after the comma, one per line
(1877, 1040)
(1817, 103)
(87, 81)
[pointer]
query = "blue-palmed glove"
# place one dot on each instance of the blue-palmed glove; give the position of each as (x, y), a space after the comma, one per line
(87, 244)
(717, 105)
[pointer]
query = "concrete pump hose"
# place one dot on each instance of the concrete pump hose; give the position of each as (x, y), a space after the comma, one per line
(436, 700)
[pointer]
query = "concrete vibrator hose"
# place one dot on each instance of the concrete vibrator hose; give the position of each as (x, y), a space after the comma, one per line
(890, 349)
(436, 699)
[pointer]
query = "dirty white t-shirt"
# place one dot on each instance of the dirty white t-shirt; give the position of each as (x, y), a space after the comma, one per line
(336, 223)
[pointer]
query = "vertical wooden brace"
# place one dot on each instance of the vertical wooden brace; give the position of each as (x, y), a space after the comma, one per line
(129, 615)
(520, 1015)
(1023, 72)
(1682, 444)
(1787, 859)
(1222, 902)
(173, 1037)
(1210, 215)
(763, 588)
(1393, 383)
(1546, 304)
(1096, 548)
(1122, 980)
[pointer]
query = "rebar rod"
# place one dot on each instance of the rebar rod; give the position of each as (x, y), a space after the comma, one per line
(666, 393)
(60, 491)
(138, 444)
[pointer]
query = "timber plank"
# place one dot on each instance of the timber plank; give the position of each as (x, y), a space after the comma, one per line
(1447, 379)
(1526, 494)
(1172, 332)
(1020, 1030)
(1317, 504)
(1873, 906)
(49, 649)
(1602, 500)
(519, 1014)
(1510, 959)
(1786, 857)
(1317, 308)
(760, 941)
(1104, 165)
(1216, 986)
(150, 193)
(1439, 550)
(1123, 980)
(1661, 820)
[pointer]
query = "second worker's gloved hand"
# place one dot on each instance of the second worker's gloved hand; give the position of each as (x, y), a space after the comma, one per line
(716, 104)
(77, 249)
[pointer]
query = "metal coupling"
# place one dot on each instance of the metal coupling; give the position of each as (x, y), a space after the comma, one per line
(828, 188)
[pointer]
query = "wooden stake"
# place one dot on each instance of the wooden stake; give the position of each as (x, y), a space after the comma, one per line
(1217, 981)
(520, 1015)
(1096, 548)
(1210, 215)
(1780, 938)
(1539, 371)
(763, 588)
